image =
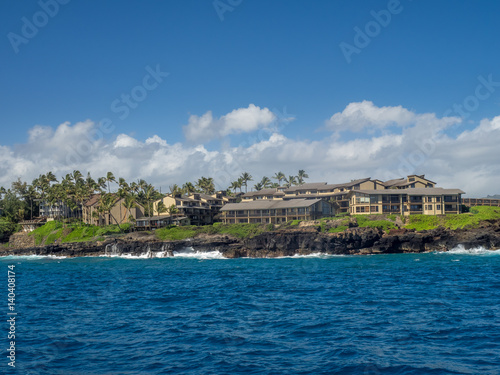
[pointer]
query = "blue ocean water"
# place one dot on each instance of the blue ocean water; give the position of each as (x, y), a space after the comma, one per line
(435, 313)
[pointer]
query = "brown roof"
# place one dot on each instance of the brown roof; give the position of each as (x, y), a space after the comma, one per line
(269, 204)
(412, 191)
(250, 194)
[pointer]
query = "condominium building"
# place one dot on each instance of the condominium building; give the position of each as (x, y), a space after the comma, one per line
(427, 201)
(275, 211)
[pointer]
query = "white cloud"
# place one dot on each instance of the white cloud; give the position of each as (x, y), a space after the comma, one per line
(357, 116)
(242, 120)
(468, 161)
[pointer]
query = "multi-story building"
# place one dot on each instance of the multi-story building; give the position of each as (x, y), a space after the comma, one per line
(197, 211)
(117, 215)
(427, 201)
(471, 202)
(275, 211)
(58, 210)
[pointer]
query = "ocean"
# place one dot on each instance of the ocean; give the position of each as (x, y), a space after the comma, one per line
(432, 313)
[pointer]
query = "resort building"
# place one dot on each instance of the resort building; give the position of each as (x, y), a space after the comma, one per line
(155, 222)
(411, 182)
(58, 210)
(471, 202)
(197, 211)
(275, 211)
(426, 201)
(117, 215)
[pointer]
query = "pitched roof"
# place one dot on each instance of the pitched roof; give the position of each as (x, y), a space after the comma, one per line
(307, 186)
(411, 191)
(269, 204)
(270, 191)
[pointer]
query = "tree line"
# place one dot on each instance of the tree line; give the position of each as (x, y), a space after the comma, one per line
(22, 201)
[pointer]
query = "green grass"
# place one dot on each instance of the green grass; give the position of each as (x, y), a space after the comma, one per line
(338, 229)
(241, 231)
(54, 231)
(455, 221)
(365, 221)
(176, 233)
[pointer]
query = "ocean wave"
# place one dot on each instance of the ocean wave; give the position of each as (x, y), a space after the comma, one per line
(479, 250)
(191, 253)
(28, 257)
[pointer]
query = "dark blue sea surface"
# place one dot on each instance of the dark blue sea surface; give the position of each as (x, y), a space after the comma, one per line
(435, 313)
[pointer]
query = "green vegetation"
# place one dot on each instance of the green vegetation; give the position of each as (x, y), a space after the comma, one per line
(470, 220)
(338, 229)
(241, 231)
(373, 221)
(53, 231)
(7, 227)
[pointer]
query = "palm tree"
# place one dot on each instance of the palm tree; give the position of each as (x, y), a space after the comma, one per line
(239, 183)
(110, 178)
(280, 176)
(266, 182)
(245, 177)
(129, 203)
(172, 210)
(188, 188)
(206, 185)
(161, 208)
(101, 184)
(301, 176)
(234, 186)
(291, 181)
(258, 186)
(175, 189)
(123, 191)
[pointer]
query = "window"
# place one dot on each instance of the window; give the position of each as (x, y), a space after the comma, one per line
(411, 179)
(428, 207)
(374, 208)
(438, 199)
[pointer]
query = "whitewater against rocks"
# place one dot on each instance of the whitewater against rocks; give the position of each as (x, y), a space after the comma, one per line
(281, 243)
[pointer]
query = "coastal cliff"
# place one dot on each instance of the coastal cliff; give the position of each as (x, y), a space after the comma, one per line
(285, 242)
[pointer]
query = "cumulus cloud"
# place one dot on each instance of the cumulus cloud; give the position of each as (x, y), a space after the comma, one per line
(242, 120)
(360, 115)
(468, 161)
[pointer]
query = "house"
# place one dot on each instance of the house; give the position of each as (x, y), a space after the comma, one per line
(117, 215)
(275, 211)
(197, 211)
(155, 222)
(426, 201)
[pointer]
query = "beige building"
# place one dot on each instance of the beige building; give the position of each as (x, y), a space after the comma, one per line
(197, 211)
(426, 201)
(118, 213)
(471, 202)
(275, 211)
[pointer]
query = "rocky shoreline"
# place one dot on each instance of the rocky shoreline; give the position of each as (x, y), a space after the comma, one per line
(287, 242)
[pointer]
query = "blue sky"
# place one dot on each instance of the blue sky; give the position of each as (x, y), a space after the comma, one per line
(275, 55)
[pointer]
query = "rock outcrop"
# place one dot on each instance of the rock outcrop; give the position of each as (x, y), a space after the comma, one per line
(288, 242)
